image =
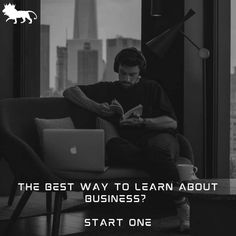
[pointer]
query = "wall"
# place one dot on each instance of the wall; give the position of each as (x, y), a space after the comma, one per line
(20, 54)
(168, 71)
(193, 109)
(180, 71)
(27, 52)
(6, 89)
(6, 58)
(19, 63)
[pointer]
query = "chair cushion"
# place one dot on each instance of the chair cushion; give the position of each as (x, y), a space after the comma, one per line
(109, 129)
(62, 123)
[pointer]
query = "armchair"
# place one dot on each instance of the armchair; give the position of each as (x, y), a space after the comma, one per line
(20, 147)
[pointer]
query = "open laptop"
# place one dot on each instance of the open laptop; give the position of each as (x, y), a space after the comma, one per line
(74, 149)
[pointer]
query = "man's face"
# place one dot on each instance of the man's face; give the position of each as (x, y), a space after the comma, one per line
(128, 75)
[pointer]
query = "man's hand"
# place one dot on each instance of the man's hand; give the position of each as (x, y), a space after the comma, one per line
(115, 102)
(77, 96)
(103, 109)
(134, 122)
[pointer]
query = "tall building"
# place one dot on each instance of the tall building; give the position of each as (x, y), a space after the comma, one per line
(79, 71)
(233, 147)
(85, 19)
(233, 125)
(61, 69)
(233, 93)
(85, 63)
(113, 47)
(44, 59)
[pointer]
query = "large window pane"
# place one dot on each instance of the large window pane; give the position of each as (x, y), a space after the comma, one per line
(233, 92)
(79, 39)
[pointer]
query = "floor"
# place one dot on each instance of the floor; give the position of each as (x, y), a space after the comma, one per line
(73, 223)
(40, 226)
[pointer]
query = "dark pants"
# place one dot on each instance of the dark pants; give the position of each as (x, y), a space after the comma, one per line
(156, 154)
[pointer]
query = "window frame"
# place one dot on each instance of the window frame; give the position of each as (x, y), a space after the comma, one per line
(217, 38)
(221, 88)
(209, 28)
(27, 53)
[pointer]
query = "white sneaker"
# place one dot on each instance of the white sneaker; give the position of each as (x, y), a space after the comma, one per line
(183, 213)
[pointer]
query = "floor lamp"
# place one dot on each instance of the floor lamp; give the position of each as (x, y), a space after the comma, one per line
(160, 44)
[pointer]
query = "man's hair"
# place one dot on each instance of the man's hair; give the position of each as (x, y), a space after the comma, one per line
(130, 57)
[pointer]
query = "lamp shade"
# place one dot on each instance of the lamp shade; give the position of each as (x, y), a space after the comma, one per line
(161, 43)
(156, 8)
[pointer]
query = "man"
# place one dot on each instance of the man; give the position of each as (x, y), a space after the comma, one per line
(148, 141)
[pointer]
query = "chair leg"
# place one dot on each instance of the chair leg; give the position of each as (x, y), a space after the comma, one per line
(49, 201)
(57, 213)
(20, 205)
(18, 210)
(13, 192)
(65, 195)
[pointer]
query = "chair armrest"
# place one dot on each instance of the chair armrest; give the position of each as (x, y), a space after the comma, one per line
(24, 161)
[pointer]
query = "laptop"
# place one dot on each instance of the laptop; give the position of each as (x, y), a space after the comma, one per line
(74, 149)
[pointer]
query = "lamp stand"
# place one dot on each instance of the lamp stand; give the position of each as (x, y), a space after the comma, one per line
(204, 54)
(204, 110)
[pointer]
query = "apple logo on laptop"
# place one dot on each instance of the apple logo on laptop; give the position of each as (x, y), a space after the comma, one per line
(73, 150)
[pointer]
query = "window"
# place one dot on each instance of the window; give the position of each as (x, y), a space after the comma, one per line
(233, 92)
(217, 39)
(80, 38)
(221, 77)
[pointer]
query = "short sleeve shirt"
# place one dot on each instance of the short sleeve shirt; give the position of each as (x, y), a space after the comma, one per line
(146, 92)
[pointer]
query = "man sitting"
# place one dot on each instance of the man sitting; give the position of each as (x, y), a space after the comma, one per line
(147, 141)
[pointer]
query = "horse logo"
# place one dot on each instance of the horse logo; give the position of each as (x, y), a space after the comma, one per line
(10, 11)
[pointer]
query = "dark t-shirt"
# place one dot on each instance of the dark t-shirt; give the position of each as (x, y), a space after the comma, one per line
(146, 92)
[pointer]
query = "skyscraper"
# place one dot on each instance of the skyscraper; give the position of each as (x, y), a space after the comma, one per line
(61, 69)
(77, 47)
(113, 47)
(85, 19)
(233, 93)
(85, 64)
(233, 125)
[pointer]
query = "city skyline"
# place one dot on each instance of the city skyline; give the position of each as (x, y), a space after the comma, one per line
(110, 23)
(52, 10)
(85, 60)
(233, 93)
